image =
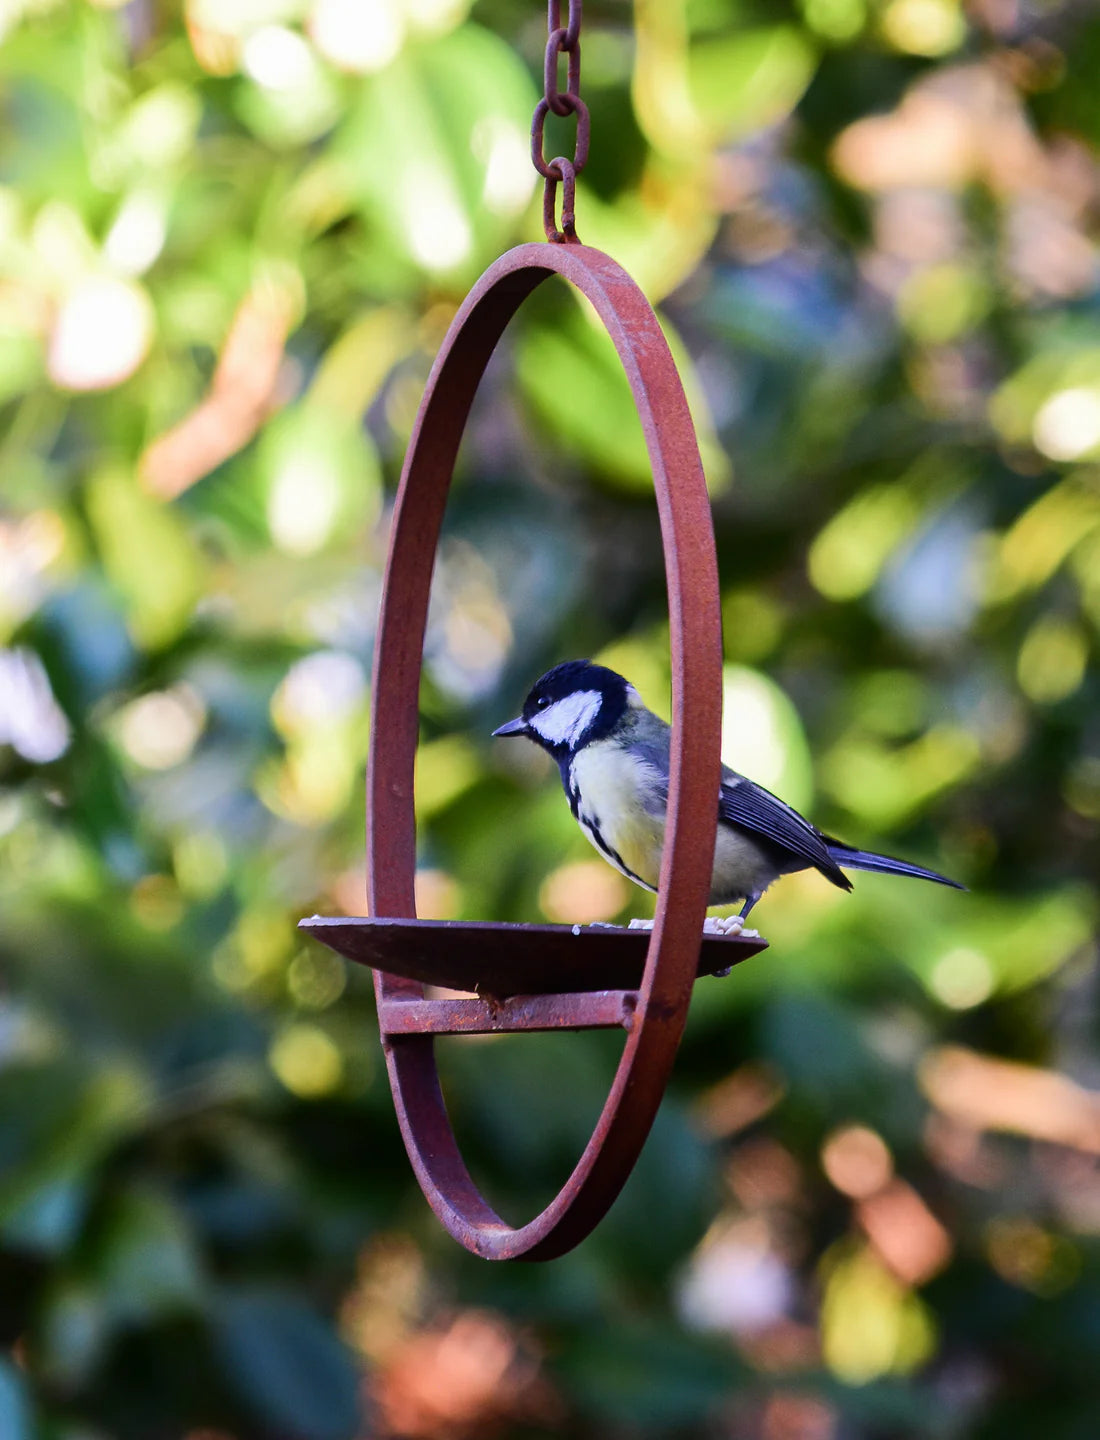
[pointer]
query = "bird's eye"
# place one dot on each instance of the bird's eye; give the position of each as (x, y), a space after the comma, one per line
(542, 702)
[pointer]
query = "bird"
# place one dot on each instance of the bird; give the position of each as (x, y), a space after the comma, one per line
(614, 758)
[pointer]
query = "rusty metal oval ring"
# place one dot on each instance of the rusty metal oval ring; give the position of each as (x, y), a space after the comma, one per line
(693, 795)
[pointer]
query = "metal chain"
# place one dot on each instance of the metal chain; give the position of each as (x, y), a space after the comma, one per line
(563, 39)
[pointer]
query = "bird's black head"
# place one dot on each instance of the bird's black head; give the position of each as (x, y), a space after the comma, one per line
(570, 706)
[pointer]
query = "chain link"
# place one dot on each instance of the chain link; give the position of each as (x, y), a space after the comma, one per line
(573, 34)
(562, 39)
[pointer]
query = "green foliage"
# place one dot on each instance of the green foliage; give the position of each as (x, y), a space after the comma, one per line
(230, 242)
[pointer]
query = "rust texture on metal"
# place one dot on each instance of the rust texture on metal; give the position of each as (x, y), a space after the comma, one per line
(561, 40)
(594, 1010)
(505, 960)
(673, 950)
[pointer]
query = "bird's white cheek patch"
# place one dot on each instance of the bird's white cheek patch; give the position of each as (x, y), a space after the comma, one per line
(564, 722)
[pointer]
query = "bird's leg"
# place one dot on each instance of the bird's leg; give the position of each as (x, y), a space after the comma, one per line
(749, 903)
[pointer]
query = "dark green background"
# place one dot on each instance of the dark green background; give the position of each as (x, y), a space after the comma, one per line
(869, 227)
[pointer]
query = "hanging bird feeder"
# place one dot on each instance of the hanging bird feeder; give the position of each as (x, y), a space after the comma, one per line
(542, 977)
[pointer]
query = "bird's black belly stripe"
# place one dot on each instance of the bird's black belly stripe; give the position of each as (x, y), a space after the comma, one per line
(592, 828)
(612, 854)
(572, 792)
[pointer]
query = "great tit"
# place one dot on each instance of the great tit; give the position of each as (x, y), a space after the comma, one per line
(613, 755)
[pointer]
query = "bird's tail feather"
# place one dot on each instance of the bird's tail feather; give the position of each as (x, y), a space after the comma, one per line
(851, 859)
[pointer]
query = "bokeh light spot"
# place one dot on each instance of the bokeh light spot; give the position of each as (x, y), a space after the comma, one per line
(201, 863)
(835, 20)
(438, 895)
(302, 504)
(316, 978)
(357, 35)
(101, 334)
(159, 730)
(962, 978)
(156, 902)
(504, 151)
(307, 1061)
(923, 27)
(736, 1280)
(847, 556)
(1052, 659)
(1082, 786)
(277, 58)
(1030, 1257)
(1067, 425)
(871, 1324)
(941, 302)
(762, 735)
(437, 229)
(30, 718)
(318, 690)
(137, 235)
(857, 1161)
(583, 891)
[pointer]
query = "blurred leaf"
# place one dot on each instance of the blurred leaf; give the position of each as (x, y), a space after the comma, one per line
(1031, 405)
(42, 148)
(1018, 942)
(871, 1325)
(456, 170)
(531, 1109)
(48, 1220)
(649, 1379)
(691, 92)
(872, 230)
(886, 784)
(20, 363)
(147, 554)
(594, 415)
(143, 1261)
(322, 477)
(294, 114)
(15, 1412)
(750, 79)
(63, 1127)
(659, 232)
(673, 1178)
(816, 1043)
(288, 1365)
(72, 1333)
(762, 735)
(846, 557)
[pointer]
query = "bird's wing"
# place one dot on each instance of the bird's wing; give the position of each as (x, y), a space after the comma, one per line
(652, 752)
(744, 803)
(740, 802)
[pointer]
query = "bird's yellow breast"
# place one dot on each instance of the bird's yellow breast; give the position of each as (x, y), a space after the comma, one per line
(619, 800)
(611, 785)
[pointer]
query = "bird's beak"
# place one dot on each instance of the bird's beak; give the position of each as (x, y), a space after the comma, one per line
(514, 727)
